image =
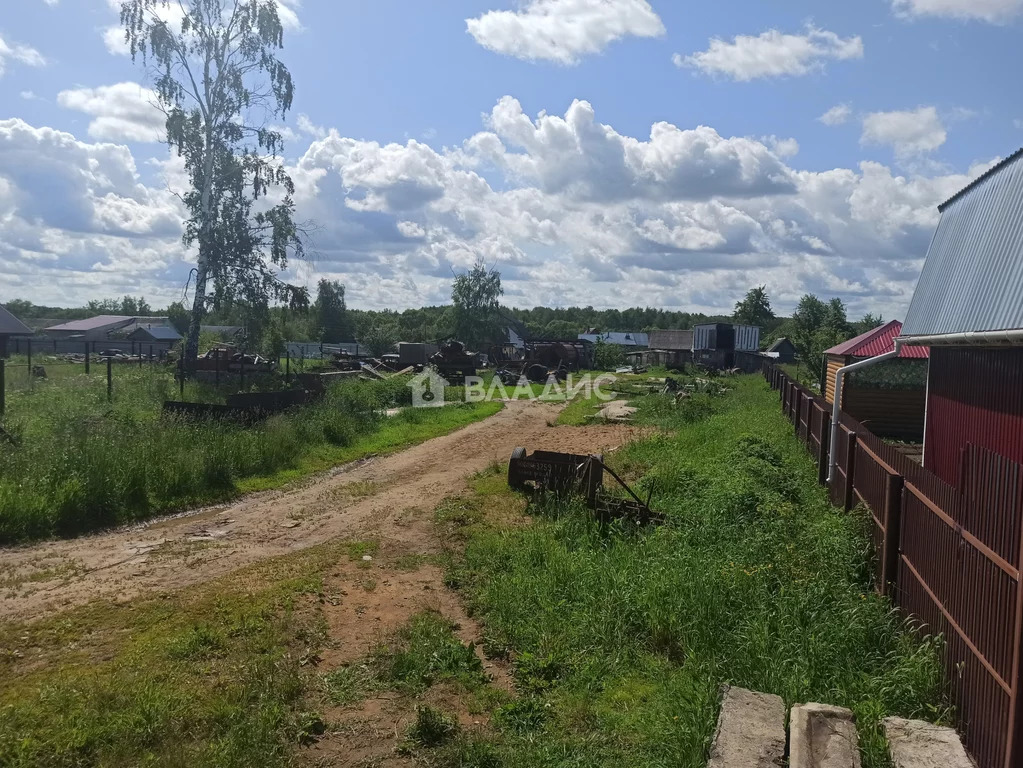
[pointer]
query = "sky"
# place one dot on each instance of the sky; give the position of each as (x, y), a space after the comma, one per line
(609, 153)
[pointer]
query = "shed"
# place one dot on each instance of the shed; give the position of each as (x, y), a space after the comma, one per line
(160, 333)
(967, 308)
(783, 350)
(888, 398)
(10, 326)
(715, 344)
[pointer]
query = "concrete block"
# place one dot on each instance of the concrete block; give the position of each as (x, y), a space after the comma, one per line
(916, 744)
(821, 736)
(750, 731)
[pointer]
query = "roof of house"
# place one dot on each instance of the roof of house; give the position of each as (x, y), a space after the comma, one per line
(93, 323)
(622, 338)
(671, 340)
(776, 347)
(12, 326)
(876, 342)
(973, 276)
(160, 332)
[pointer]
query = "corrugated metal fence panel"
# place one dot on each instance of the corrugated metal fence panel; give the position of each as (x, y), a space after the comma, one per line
(976, 397)
(747, 338)
(973, 276)
(955, 565)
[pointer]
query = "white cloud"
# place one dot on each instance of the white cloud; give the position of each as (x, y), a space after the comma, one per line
(173, 13)
(306, 126)
(18, 53)
(121, 112)
(563, 30)
(993, 11)
(772, 54)
(909, 133)
(837, 115)
(571, 210)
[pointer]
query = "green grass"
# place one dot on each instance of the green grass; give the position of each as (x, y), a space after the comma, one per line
(79, 463)
(215, 675)
(621, 639)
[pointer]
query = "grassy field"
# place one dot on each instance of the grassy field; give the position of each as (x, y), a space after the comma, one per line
(620, 639)
(77, 463)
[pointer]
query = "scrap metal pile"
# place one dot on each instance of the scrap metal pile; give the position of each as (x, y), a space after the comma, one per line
(569, 473)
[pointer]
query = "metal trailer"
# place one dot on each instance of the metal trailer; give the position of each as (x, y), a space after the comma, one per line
(565, 473)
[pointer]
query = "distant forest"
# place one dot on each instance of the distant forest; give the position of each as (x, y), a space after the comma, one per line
(814, 326)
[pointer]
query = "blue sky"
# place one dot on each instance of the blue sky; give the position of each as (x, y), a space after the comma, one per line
(424, 135)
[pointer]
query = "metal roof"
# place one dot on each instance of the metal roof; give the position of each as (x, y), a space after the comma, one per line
(160, 332)
(876, 342)
(972, 280)
(671, 340)
(624, 339)
(93, 323)
(12, 326)
(778, 342)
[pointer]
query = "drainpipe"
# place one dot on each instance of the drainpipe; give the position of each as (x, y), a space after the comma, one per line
(836, 408)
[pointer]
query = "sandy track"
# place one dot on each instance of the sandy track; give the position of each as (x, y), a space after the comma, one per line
(365, 500)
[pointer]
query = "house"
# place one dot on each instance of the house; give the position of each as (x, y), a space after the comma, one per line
(888, 398)
(163, 334)
(968, 308)
(622, 338)
(10, 326)
(783, 350)
(100, 327)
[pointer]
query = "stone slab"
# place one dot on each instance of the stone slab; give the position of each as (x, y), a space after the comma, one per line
(917, 744)
(750, 731)
(822, 736)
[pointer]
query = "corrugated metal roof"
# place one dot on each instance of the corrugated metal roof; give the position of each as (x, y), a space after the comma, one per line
(161, 332)
(93, 323)
(973, 277)
(672, 340)
(622, 338)
(12, 326)
(875, 342)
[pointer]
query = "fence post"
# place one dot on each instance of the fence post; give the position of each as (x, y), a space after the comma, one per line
(28, 368)
(798, 407)
(850, 469)
(241, 371)
(892, 526)
(110, 380)
(86, 357)
(181, 377)
(287, 367)
(3, 385)
(825, 455)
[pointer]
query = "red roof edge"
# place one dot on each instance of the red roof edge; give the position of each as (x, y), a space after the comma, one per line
(876, 342)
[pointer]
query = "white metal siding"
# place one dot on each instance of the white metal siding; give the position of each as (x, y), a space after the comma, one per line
(747, 338)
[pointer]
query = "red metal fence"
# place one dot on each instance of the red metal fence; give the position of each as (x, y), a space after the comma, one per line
(948, 556)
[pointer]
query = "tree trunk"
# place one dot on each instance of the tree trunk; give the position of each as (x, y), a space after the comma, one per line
(191, 351)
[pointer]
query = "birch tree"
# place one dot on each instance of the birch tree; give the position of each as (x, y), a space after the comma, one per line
(217, 75)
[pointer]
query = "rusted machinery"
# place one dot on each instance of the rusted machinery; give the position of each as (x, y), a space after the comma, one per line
(565, 473)
(453, 362)
(539, 360)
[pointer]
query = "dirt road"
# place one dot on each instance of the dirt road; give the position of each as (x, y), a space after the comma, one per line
(367, 500)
